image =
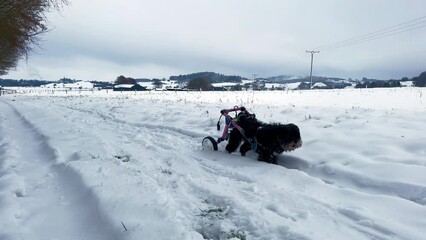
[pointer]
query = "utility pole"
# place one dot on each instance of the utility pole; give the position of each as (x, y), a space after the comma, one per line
(254, 76)
(255, 84)
(312, 62)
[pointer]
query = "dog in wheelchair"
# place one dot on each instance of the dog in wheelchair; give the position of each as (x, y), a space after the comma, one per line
(268, 140)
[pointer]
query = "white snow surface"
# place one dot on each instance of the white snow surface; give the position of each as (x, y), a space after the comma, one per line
(76, 85)
(319, 84)
(98, 165)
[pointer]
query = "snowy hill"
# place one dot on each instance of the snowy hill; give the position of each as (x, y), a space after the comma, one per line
(70, 86)
(285, 78)
(107, 165)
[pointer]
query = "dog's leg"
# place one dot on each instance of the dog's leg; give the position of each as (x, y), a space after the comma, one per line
(262, 156)
(234, 140)
(266, 156)
(274, 160)
(245, 148)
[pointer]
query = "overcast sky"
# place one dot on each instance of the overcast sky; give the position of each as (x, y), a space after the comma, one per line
(102, 39)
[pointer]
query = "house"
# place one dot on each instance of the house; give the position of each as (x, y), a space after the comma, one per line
(129, 87)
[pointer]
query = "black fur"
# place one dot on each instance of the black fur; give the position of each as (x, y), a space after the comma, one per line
(270, 140)
(249, 124)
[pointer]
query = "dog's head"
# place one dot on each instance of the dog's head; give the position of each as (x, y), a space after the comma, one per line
(288, 137)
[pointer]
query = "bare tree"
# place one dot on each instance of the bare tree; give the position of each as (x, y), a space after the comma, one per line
(22, 22)
(125, 80)
(157, 83)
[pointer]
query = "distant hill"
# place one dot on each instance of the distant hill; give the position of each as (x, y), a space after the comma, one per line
(22, 83)
(211, 76)
(298, 82)
(143, 80)
(294, 79)
(420, 81)
(285, 79)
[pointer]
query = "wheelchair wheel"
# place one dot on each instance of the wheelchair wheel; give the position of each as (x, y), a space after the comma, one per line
(209, 144)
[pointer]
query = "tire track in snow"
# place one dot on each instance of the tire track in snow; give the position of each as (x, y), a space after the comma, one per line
(111, 117)
(351, 180)
(54, 201)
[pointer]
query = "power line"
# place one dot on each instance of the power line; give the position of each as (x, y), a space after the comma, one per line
(254, 76)
(410, 25)
(381, 35)
(385, 32)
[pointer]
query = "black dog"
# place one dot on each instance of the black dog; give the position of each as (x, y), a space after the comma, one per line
(268, 140)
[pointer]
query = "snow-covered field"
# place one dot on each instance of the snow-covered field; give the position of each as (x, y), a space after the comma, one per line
(97, 165)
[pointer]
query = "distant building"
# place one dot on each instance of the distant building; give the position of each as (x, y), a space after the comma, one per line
(129, 87)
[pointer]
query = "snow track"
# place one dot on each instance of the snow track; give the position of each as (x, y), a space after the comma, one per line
(344, 178)
(50, 200)
(333, 175)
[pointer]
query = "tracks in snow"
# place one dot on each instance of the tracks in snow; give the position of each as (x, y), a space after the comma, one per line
(197, 180)
(242, 192)
(337, 177)
(341, 177)
(50, 199)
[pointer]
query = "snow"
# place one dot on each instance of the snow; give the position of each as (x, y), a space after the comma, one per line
(166, 84)
(319, 84)
(407, 83)
(225, 84)
(124, 86)
(293, 85)
(275, 85)
(76, 85)
(108, 165)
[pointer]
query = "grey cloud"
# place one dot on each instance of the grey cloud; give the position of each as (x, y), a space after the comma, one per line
(235, 37)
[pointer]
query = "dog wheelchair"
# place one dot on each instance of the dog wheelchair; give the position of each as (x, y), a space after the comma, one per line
(210, 143)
